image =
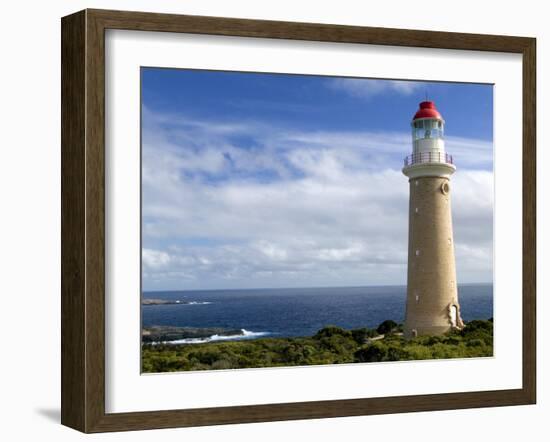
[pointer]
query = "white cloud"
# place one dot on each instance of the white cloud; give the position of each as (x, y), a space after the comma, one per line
(154, 259)
(367, 89)
(469, 153)
(292, 209)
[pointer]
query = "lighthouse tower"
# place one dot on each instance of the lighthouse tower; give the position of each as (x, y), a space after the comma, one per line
(432, 296)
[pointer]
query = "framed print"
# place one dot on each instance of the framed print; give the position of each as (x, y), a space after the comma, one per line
(267, 221)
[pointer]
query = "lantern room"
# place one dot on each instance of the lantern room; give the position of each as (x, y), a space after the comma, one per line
(428, 144)
(427, 128)
(427, 122)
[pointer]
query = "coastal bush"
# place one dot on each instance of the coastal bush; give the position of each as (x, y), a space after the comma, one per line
(386, 327)
(475, 343)
(206, 357)
(417, 352)
(431, 340)
(477, 329)
(373, 353)
(222, 364)
(477, 324)
(398, 352)
(330, 345)
(308, 351)
(360, 335)
(453, 340)
(331, 330)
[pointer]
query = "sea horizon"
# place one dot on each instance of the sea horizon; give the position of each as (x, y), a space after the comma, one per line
(297, 287)
(292, 312)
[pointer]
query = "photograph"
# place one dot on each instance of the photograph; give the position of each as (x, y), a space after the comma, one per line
(294, 220)
(257, 221)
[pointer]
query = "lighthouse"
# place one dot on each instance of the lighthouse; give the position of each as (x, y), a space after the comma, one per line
(432, 297)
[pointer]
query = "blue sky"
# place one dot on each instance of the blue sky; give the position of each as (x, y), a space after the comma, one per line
(270, 180)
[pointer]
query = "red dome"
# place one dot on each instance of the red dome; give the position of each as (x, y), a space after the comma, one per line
(427, 110)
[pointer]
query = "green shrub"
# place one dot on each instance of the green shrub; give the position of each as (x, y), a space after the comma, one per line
(386, 327)
(360, 335)
(375, 352)
(332, 330)
(475, 343)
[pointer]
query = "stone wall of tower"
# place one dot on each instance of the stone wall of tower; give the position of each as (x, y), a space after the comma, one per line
(431, 278)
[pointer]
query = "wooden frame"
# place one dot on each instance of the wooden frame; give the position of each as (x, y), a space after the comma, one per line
(83, 220)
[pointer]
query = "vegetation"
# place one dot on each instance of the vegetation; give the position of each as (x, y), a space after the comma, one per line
(387, 327)
(330, 345)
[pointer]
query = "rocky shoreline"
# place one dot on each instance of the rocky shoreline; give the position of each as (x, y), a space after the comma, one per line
(150, 301)
(154, 301)
(169, 333)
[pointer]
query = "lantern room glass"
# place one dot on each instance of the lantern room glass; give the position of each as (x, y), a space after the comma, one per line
(428, 128)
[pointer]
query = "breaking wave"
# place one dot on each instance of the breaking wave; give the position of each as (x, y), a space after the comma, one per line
(246, 334)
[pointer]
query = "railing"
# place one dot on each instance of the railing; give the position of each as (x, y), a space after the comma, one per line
(428, 157)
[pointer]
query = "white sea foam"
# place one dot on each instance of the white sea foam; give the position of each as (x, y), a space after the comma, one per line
(246, 334)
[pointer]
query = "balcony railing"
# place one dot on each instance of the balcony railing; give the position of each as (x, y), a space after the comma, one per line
(428, 157)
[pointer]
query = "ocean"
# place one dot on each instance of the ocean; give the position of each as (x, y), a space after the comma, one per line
(296, 311)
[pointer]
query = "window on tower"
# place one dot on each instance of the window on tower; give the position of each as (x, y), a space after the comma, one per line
(418, 128)
(427, 129)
